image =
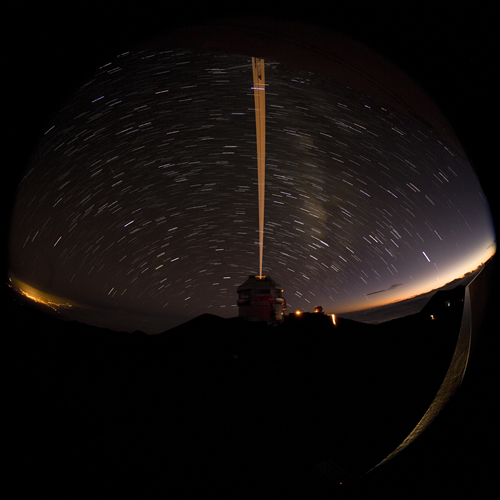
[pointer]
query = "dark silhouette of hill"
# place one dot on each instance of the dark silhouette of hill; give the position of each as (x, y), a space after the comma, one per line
(225, 405)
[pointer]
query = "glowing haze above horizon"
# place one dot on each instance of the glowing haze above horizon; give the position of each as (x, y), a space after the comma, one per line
(141, 200)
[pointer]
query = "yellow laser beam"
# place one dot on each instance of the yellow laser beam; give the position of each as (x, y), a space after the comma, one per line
(259, 92)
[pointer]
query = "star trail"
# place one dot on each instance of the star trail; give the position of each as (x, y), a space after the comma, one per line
(142, 194)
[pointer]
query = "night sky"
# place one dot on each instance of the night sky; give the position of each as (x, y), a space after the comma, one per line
(141, 197)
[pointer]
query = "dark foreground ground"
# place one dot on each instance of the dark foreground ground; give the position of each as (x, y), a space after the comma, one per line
(227, 407)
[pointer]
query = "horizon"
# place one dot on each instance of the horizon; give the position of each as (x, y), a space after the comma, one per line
(86, 314)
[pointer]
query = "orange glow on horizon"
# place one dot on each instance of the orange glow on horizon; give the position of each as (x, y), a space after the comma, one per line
(38, 296)
(440, 279)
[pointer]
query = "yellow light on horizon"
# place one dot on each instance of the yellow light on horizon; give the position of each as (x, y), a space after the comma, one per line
(38, 296)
